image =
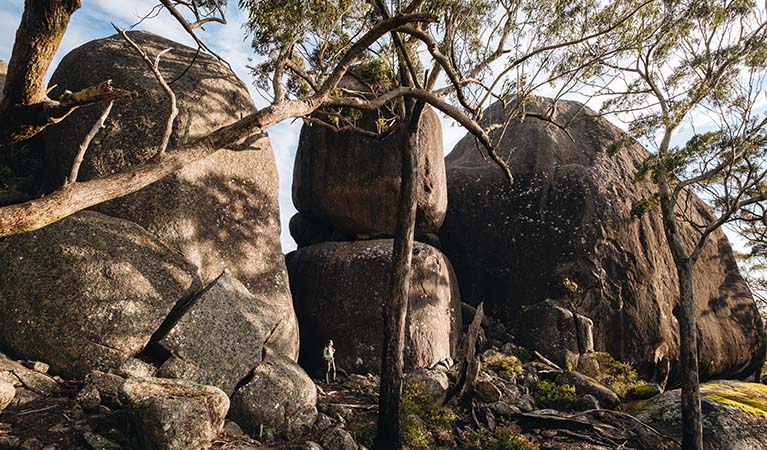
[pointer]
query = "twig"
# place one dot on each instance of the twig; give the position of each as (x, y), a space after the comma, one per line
(154, 67)
(548, 361)
(86, 143)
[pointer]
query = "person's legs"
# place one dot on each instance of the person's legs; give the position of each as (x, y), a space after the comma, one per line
(333, 362)
(327, 372)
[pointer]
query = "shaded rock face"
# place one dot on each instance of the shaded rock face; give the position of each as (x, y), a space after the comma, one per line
(279, 394)
(3, 73)
(87, 292)
(567, 215)
(220, 337)
(174, 414)
(350, 182)
(339, 291)
(734, 415)
(221, 212)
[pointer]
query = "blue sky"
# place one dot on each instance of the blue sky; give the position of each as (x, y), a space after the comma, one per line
(94, 20)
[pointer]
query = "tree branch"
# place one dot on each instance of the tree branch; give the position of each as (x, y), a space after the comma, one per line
(85, 144)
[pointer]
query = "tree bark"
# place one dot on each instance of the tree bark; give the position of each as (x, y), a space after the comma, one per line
(692, 422)
(42, 27)
(389, 434)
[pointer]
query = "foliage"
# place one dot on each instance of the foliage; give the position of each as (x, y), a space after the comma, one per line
(425, 421)
(553, 395)
(503, 438)
(19, 160)
(508, 367)
(365, 434)
(617, 375)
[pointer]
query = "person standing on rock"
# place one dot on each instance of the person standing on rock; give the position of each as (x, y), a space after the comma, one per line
(329, 354)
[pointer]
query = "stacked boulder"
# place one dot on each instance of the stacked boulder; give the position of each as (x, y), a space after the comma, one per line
(346, 189)
(183, 279)
(559, 257)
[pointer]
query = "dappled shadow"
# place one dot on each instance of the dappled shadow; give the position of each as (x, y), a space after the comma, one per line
(87, 292)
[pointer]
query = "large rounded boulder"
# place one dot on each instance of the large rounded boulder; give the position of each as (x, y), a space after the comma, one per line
(221, 212)
(564, 231)
(350, 182)
(87, 292)
(340, 289)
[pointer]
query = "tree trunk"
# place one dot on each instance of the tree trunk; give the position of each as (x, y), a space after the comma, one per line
(389, 434)
(42, 27)
(692, 421)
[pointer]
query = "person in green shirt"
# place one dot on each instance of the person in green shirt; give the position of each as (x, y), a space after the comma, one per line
(328, 353)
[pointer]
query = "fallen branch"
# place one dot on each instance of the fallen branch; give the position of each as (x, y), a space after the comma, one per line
(85, 144)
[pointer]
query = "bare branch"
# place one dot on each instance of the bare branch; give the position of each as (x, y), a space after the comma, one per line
(85, 144)
(154, 67)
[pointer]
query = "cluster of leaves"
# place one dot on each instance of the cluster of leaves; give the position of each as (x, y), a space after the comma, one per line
(508, 367)
(617, 375)
(19, 160)
(425, 421)
(553, 395)
(503, 438)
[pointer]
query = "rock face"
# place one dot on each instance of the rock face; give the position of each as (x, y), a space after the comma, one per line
(221, 335)
(734, 415)
(339, 289)
(350, 182)
(280, 394)
(87, 292)
(221, 212)
(568, 216)
(175, 414)
(3, 73)
(7, 393)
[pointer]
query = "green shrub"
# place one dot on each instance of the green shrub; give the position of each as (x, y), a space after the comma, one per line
(554, 395)
(506, 366)
(504, 438)
(365, 434)
(617, 375)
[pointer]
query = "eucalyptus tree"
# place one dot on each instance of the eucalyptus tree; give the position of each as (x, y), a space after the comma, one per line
(692, 88)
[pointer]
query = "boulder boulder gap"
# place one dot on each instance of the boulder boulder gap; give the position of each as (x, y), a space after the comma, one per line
(221, 212)
(564, 232)
(340, 289)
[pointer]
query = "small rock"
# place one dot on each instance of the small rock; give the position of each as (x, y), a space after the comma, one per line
(133, 367)
(587, 402)
(38, 366)
(99, 442)
(486, 392)
(587, 385)
(323, 422)
(89, 398)
(549, 433)
(7, 393)
(643, 391)
(503, 409)
(232, 428)
(489, 353)
(107, 385)
(175, 414)
(310, 445)
(59, 428)
(436, 381)
(337, 439)
(339, 412)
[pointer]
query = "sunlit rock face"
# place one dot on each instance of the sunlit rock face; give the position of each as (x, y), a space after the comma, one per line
(87, 292)
(567, 216)
(221, 212)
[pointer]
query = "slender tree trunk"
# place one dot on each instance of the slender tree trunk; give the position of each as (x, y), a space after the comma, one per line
(692, 421)
(389, 434)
